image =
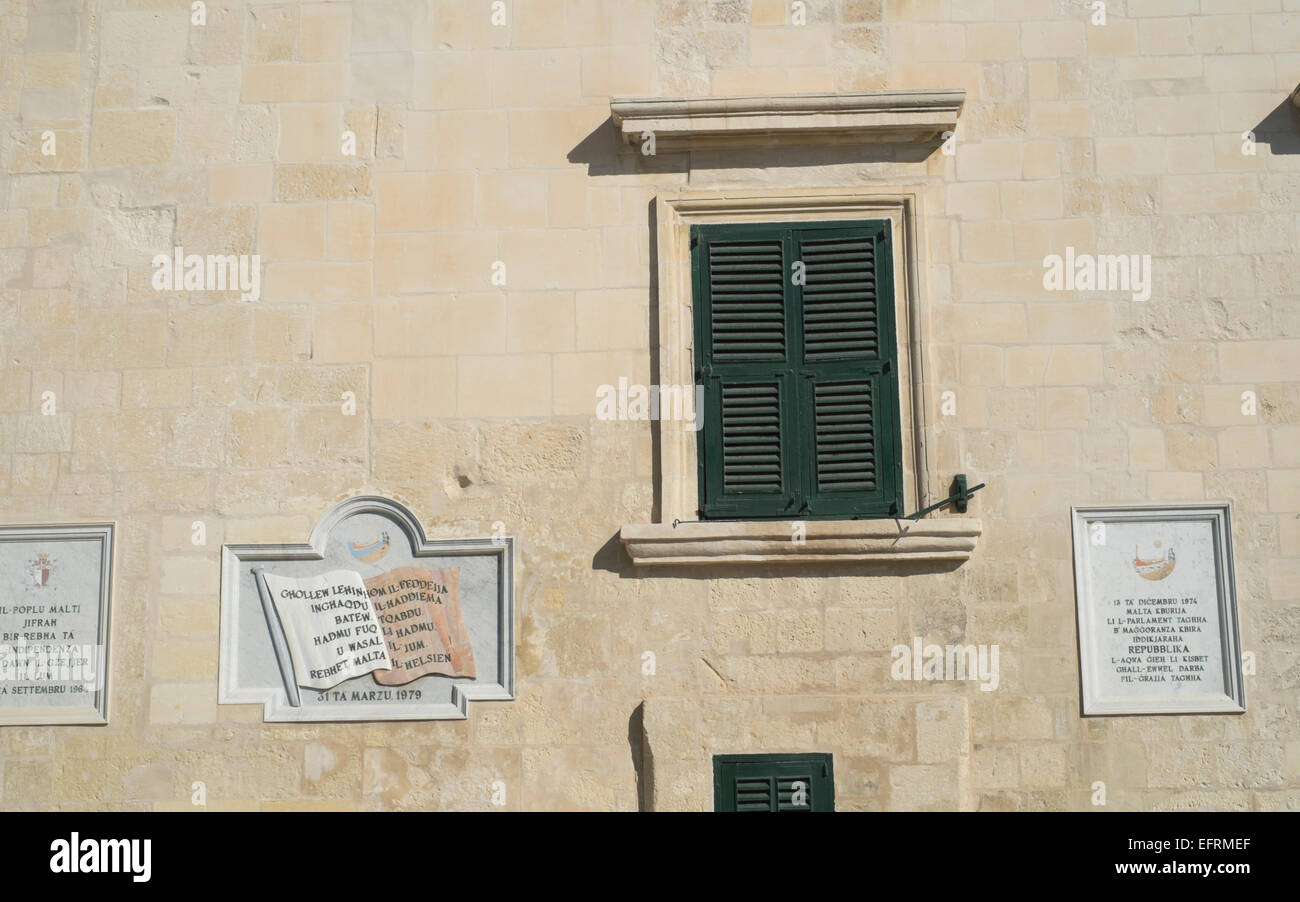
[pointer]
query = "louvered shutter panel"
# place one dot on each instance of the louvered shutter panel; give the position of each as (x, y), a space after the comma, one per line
(848, 386)
(773, 783)
(743, 359)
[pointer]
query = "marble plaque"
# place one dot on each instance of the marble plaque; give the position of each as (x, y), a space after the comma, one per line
(55, 588)
(368, 620)
(1154, 591)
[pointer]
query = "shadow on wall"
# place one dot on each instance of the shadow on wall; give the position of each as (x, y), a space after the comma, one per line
(642, 761)
(1280, 129)
(604, 153)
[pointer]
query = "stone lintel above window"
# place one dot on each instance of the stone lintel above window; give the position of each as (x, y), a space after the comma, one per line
(914, 117)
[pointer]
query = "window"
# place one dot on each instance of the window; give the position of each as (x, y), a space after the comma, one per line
(773, 783)
(795, 347)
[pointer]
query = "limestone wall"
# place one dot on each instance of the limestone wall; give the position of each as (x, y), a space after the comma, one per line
(478, 144)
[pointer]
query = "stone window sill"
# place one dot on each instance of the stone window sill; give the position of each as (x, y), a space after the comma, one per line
(941, 540)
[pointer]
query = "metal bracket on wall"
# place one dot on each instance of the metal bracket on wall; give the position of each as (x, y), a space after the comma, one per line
(959, 498)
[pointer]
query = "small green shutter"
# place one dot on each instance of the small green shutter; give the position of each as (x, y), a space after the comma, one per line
(795, 348)
(773, 783)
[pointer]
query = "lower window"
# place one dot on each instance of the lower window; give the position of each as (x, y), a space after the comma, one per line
(773, 783)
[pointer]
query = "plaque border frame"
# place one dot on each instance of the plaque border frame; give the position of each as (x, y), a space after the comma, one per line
(96, 714)
(1219, 515)
(275, 706)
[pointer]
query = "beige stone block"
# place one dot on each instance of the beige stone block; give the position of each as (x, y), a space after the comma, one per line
(981, 364)
(537, 23)
(1052, 40)
(311, 132)
(908, 41)
(246, 184)
(121, 338)
(452, 80)
(861, 629)
(417, 388)
(1165, 486)
(184, 617)
(1074, 366)
(260, 437)
(538, 78)
(189, 574)
(1191, 450)
(985, 242)
(294, 82)
(1043, 83)
(989, 161)
(1286, 446)
(550, 259)
(995, 281)
(476, 139)
(1243, 72)
(1118, 37)
(617, 71)
(350, 231)
(183, 703)
(537, 138)
(1146, 449)
(541, 321)
(1217, 193)
(324, 32)
(1243, 448)
(34, 474)
(1042, 160)
(504, 386)
(1221, 34)
(513, 199)
(132, 138)
(1071, 322)
(993, 41)
(975, 201)
(1130, 155)
(1284, 491)
(27, 150)
(155, 388)
(445, 261)
(423, 201)
(1259, 361)
(129, 37)
(1175, 115)
(51, 70)
(1027, 365)
(986, 323)
(321, 181)
(612, 320)
(291, 231)
(341, 333)
(316, 282)
(579, 378)
(1032, 200)
(183, 661)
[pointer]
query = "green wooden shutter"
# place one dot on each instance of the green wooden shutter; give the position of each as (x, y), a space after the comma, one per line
(800, 379)
(849, 373)
(773, 783)
(743, 360)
